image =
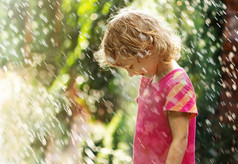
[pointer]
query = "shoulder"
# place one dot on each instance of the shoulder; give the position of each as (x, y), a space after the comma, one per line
(180, 94)
(179, 80)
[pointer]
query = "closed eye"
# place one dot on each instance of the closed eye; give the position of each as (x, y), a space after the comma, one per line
(128, 66)
(131, 67)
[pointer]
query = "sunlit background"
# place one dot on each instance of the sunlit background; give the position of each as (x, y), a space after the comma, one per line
(57, 106)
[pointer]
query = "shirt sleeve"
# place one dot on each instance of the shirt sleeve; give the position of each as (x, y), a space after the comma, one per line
(181, 98)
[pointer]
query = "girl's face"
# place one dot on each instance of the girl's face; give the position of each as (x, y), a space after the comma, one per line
(142, 66)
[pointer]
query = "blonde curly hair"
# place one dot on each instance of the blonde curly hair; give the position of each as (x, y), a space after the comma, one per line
(132, 33)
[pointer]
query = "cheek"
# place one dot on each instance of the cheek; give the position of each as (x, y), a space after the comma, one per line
(148, 69)
(144, 69)
(153, 67)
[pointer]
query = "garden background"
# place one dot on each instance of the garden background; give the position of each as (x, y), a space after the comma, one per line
(58, 106)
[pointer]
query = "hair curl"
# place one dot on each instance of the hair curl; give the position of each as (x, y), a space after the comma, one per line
(132, 33)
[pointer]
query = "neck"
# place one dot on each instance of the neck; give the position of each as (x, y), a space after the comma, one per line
(164, 69)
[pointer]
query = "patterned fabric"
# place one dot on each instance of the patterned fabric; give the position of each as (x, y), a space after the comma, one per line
(153, 137)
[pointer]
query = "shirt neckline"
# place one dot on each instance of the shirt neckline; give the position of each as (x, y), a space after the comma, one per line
(162, 79)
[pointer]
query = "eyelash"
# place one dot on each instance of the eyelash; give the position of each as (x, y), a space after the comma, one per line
(132, 65)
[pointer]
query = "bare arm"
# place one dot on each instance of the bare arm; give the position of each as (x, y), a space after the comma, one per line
(179, 122)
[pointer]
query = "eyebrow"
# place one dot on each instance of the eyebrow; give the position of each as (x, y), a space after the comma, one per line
(121, 65)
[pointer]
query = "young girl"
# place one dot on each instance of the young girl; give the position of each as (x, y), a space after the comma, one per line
(166, 118)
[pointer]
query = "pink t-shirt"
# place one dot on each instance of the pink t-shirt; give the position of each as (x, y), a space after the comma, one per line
(152, 139)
